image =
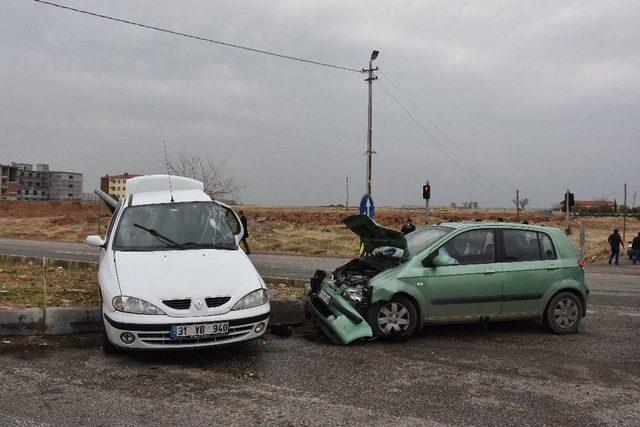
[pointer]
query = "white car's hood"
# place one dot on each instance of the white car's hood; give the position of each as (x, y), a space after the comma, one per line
(180, 274)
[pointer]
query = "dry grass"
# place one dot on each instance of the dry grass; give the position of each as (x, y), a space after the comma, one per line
(301, 230)
(22, 286)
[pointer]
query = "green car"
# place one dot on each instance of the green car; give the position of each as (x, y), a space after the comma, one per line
(450, 273)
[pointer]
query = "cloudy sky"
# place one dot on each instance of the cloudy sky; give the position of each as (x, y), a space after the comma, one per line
(537, 95)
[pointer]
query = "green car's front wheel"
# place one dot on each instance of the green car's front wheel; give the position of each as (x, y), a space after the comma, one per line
(393, 319)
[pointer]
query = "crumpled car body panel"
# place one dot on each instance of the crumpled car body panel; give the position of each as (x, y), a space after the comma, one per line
(336, 317)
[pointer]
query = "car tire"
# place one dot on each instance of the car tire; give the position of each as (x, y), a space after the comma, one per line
(393, 319)
(564, 313)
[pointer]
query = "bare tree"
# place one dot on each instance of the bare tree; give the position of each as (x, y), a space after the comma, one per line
(523, 203)
(218, 184)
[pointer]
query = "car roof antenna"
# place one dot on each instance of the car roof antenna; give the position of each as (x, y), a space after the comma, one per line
(166, 163)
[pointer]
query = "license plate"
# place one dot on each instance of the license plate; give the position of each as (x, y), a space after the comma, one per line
(324, 296)
(203, 329)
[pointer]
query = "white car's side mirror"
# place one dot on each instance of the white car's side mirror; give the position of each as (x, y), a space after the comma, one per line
(95, 241)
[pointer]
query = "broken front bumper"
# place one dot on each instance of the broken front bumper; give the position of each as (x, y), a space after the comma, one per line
(336, 317)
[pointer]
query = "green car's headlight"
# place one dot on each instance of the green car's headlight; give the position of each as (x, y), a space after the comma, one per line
(134, 305)
(252, 299)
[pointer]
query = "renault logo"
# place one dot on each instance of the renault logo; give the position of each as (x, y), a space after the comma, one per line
(198, 304)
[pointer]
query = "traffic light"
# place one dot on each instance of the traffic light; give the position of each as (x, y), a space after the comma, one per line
(426, 191)
(572, 200)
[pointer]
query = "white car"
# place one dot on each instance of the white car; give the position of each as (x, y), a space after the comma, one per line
(171, 273)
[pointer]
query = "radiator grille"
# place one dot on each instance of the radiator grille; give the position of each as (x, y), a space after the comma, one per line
(178, 304)
(216, 301)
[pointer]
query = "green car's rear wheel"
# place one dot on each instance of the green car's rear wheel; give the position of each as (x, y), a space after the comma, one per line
(393, 319)
(564, 313)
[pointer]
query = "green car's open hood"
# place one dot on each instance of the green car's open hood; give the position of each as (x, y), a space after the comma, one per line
(373, 236)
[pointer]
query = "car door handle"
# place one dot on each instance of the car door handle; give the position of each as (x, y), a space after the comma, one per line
(551, 267)
(489, 271)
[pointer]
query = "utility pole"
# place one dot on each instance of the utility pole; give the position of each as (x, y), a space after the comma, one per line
(624, 216)
(346, 205)
(517, 203)
(370, 151)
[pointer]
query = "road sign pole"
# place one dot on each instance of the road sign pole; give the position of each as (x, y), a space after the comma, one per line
(624, 216)
(566, 207)
(426, 209)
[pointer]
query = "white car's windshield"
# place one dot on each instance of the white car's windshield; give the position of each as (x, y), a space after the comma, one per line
(189, 225)
(419, 240)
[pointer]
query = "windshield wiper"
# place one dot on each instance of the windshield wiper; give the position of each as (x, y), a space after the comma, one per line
(159, 236)
(228, 246)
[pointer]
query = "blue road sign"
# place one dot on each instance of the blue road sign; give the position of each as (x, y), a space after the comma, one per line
(366, 206)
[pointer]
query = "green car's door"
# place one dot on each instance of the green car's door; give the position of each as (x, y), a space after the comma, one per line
(530, 266)
(471, 285)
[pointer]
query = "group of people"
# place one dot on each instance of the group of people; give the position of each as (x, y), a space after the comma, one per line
(617, 245)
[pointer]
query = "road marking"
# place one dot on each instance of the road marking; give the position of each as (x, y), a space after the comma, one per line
(590, 311)
(629, 314)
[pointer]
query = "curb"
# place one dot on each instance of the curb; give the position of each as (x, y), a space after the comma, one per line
(86, 319)
(64, 263)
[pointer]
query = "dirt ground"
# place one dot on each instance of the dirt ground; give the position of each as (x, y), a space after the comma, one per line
(300, 230)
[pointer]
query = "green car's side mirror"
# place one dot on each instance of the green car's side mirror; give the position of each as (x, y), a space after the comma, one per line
(441, 260)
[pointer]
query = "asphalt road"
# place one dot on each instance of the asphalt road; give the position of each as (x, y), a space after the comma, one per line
(272, 265)
(510, 373)
(504, 374)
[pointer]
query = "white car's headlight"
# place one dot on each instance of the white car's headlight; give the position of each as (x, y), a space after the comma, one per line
(252, 299)
(134, 305)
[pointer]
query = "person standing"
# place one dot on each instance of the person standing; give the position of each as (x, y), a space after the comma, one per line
(245, 232)
(408, 227)
(615, 241)
(635, 248)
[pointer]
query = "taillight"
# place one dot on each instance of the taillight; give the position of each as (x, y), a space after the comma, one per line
(581, 263)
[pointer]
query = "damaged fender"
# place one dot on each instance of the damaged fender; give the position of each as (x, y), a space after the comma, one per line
(333, 314)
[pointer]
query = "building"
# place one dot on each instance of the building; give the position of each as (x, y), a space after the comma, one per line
(65, 186)
(591, 206)
(8, 182)
(33, 185)
(41, 183)
(115, 185)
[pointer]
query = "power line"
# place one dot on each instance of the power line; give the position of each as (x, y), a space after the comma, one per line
(451, 141)
(487, 185)
(192, 36)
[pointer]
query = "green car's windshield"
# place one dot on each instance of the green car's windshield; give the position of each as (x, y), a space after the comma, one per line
(419, 240)
(188, 225)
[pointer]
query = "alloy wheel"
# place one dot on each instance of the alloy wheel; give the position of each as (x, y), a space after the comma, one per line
(393, 317)
(565, 313)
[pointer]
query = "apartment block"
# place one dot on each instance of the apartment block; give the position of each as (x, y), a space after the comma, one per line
(33, 184)
(115, 185)
(65, 186)
(24, 182)
(8, 182)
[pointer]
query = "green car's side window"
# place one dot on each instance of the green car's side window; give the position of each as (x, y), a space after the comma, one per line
(521, 245)
(548, 251)
(471, 247)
